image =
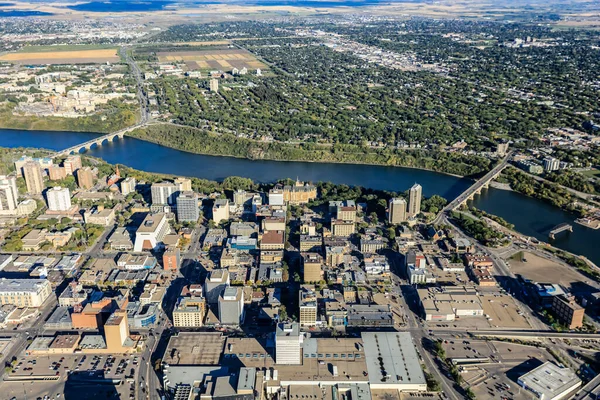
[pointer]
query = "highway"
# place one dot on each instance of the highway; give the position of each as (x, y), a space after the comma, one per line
(137, 74)
(591, 391)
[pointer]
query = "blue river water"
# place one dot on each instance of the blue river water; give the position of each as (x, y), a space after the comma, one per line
(530, 216)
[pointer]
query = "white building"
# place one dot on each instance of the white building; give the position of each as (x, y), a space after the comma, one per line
(59, 199)
(24, 292)
(151, 232)
(550, 382)
(288, 344)
(164, 193)
(8, 194)
(128, 185)
(231, 306)
(220, 210)
(276, 197)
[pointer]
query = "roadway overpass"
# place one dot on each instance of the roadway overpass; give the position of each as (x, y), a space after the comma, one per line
(476, 188)
(99, 141)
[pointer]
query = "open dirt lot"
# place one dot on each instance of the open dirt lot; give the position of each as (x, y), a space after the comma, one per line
(539, 269)
(225, 59)
(63, 57)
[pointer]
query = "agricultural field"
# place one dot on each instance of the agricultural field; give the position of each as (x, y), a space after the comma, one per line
(60, 56)
(219, 59)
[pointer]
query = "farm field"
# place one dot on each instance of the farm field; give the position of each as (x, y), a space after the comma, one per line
(63, 57)
(224, 59)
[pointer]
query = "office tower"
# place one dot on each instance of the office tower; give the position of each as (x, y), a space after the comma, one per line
(184, 184)
(8, 193)
(164, 193)
(56, 173)
(116, 331)
(32, 171)
(288, 344)
(414, 200)
(220, 210)
(187, 207)
(128, 185)
(85, 178)
(59, 199)
(231, 306)
(551, 164)
(72, 164)
(151, 232)
(214, 85)
(397, 210)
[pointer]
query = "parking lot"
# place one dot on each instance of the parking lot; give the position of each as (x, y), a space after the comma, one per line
(37, 376)
(496, 378)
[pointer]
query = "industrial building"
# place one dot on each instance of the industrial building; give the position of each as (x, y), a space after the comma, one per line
(550, 382)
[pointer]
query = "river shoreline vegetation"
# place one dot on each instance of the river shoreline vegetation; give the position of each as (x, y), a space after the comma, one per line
(203, 142)
(546, 191)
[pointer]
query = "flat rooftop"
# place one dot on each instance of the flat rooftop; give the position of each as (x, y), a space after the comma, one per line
(195, 349)
(21, 285)
(549, 380)
(151, 223)
(393, 353)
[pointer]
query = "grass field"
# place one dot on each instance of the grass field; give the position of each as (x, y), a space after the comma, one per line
(220, 59)
(65, 47)
(63, 57)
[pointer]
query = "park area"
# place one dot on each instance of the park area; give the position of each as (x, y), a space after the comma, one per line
(62, 55)
(213, 59)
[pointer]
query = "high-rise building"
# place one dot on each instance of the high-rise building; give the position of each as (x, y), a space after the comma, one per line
(312, 267)
(220, 210)
(116, 331)
(189, 313)
(164, 193)
(72, 164)
(308, 306)
(32, 171)
(231, 306)
(59, 199)
(127, 185)
(414, 200)
(152, 231)
(187, 207)
(44, 163)
(185, 184)
(214, 85)
(85, 178)
(56, 173)
(288, 344)
(8, 193)
(551, 164)
(397, 210)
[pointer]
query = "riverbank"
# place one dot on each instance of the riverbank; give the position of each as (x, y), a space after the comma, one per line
(110, 120)
(198, 141)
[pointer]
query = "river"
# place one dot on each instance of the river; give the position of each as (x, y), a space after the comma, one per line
(530, 216)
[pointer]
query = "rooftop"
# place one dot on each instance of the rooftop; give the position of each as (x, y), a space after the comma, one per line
(21, 285)
(549, 380)
(195, 349)
(151, 223)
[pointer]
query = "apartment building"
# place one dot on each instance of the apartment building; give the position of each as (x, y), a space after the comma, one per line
(24, 292)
